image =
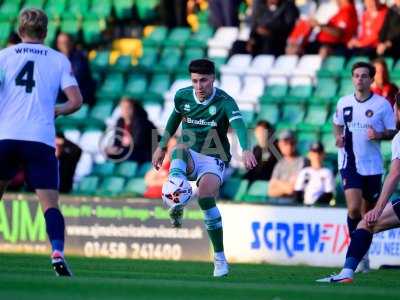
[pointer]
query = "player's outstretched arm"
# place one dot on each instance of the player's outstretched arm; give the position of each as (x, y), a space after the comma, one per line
(73, 103)
(388, 188)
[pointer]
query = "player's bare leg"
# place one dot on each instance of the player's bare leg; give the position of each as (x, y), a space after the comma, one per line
(209, 185)
(55, 227)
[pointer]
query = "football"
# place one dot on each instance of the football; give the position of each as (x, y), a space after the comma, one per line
(176, 191)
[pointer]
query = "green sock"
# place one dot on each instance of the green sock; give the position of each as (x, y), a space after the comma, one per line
(213, 222)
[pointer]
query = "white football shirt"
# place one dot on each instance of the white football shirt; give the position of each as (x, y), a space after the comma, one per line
(396, 146)
(314, 182)
(356, 117)
(31, 75)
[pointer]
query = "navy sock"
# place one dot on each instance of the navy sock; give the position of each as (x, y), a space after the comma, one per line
(361, 239)
(352, 223)
(55, 228)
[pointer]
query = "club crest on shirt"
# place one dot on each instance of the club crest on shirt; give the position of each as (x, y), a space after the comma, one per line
(186, 107)
(212, 110)
(369, 113)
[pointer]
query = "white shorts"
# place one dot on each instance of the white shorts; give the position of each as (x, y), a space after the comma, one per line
(203, 164)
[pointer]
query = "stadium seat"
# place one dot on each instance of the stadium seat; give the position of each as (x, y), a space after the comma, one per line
(148, 59)
(331, 66)
(92, 30)
(169, 60)
(78, 118)
(325, 91)
(126, 169)
(136, 85)
(269, 112)
(153, 111)
(241, 191)
(159, 84)
(304, 140)
(101, 111)
(72, 134)
(52, 28)
(284, 65)
(231, 84)
(220, 44)
(4, 32)
(103, 170)
(260, 65)
(103, 10)
(177, 37)
(292, 114)
(308, 65)
(316, 116)
(189, 55)
(87, 186)
(9, 10)
(236, 65)
(55, 8)
(79, 8)
(275, 90)
(111, 186)
(143, 169)
(257, 192)
(100, 61)
(70, 24)
(253, 87)
(34, 3)
(300, 90)
(147, 10)
(200, 37)
(386, 149)
(328, 141)
(90, 140)
(123, 63)
(84, 166)
(135, 187)
(178, 84)
(346, 87)
(156, 37)
(123, 8)
(112, 87)
(230, 188)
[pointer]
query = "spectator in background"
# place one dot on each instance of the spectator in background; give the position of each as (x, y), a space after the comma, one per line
(134, 134)
(224, 13)
(173, 13)
(68, 155)
(371, 24)
(382, 85)
(284, 175)
(13, 39)
(266, 159)
(389, 36)
(80, 67)
(333, 36)
(315, 184)
(155, 179)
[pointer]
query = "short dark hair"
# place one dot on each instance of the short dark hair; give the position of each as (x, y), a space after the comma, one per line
(202, 66)
(265, 124)
(363, 64)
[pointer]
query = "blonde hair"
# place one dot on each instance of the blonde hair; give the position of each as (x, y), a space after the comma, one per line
(32, 23)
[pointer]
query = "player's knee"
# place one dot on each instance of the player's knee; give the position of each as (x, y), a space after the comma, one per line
(354, 212)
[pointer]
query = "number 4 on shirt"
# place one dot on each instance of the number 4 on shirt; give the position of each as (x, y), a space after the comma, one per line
(25, 77)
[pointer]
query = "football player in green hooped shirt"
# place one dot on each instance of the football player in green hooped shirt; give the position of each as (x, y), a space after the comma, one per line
(206, 113)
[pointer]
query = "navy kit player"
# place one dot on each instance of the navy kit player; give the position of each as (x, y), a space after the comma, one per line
(30, 77)
(383, 216)
(362, 119)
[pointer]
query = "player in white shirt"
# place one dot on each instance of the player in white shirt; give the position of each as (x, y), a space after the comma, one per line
(30, 77)
(361, 121)
(385, 215)
(315, 184)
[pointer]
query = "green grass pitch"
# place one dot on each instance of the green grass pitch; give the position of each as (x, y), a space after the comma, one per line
(30, 277)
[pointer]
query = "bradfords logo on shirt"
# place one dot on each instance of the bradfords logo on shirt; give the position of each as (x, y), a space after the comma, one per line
(201, 122)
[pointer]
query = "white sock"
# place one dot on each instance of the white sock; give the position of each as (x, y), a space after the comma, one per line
(219, 256)
(346, 272)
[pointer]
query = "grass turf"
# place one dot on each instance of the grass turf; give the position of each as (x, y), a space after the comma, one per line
(30, 277)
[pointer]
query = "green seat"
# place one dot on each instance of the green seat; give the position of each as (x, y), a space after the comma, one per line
(136, 85)
(257, 192)
(102, 11)
(315, 117)
(269, 112)
(248, 117)
(304, 141)
(51, 33)
(143, 169)
(189, 55)
(34, 3)
(78, 118)
(292, 113)
(79, 8)
(230, 188)
(331, 66)
(123, 63)
(87, 186)
(9, 10)
(55, 8)
(200, 37)
(159, 84)
(169, 61)
(386, 150)
(325, 91)
(396, 70)
(147, 10)
(241, 191)
(298, 94)
(135, 187)
(346, 87)
(5, 32)
(112, 87)
(92, 31)
(346, 72)
(148, 59)
(104, 169)
(328, 141)
(101, 111)
(123, 9)
(156, 37)
(101, 60)
(177, 37)
(70, 24)
(111, 186)
(126, 169)
(274, 93)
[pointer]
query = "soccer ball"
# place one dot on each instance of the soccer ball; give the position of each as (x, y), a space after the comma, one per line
(176, 191)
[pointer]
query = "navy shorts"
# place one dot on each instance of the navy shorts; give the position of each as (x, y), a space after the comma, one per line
(38, 161)
(369, 185)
